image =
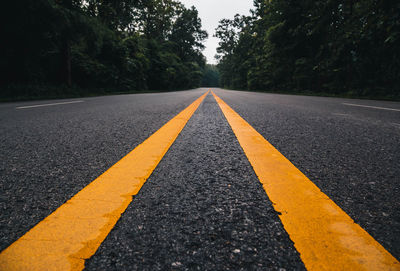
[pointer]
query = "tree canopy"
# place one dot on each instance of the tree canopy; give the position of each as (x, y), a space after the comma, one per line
(100, 44)
(332, 46)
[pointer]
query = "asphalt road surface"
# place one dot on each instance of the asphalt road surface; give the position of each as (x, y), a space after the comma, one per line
(203, 207)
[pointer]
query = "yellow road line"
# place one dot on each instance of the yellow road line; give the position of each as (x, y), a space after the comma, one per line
(72, 233)
(324, 235)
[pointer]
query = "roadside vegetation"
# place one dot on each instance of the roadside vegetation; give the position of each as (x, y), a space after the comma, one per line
(63, 48)
(210, 76)
(334, 48)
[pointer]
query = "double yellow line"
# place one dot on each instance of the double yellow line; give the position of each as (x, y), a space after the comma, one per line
(325, 236)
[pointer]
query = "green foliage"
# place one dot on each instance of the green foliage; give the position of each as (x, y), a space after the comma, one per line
(210, 76)
(329, 46)
(99, 44)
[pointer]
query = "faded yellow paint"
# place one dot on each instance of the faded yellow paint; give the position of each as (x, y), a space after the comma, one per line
(324, 235)
(73, 232)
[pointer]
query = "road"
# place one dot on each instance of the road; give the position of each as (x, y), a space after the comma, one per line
(203, 207)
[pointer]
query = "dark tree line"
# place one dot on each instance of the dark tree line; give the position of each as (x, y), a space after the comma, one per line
(210, 76)
(114, 45)
(330, 46)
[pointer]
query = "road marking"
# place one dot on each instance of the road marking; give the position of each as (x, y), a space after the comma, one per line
(374, 107)
(52, 104)
(324, 235)
(73, 232)
(340, 114)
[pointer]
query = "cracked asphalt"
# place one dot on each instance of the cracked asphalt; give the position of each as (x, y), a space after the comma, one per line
(203, 208)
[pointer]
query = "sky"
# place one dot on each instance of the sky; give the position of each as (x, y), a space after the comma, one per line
(211, 12)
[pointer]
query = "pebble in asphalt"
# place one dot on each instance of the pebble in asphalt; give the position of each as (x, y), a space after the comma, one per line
(203, 208)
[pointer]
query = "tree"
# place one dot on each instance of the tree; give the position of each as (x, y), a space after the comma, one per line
(210, 76)
(54, 47)
(332, 46)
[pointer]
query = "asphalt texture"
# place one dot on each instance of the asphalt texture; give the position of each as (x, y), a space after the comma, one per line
(48, 154)
(203, 207)
(351, 153)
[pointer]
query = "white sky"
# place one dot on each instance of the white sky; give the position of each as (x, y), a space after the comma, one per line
(210, 12)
